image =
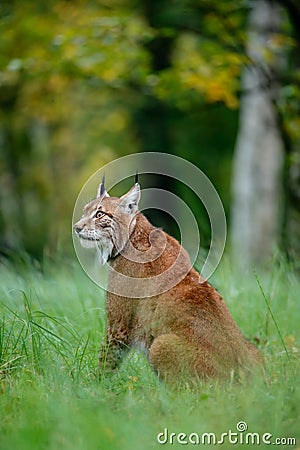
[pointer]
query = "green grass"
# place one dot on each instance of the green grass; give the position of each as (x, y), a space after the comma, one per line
(53, 397)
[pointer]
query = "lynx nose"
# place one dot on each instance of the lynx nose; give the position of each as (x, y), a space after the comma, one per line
(77, 228)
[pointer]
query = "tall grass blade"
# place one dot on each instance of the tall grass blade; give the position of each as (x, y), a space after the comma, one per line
(272, 315)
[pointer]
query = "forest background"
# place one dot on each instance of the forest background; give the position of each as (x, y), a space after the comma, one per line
(85, 82)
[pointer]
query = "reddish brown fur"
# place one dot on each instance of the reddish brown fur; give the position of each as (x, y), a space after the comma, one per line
(186, 331)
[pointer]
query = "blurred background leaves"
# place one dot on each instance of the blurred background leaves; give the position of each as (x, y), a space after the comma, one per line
(84, 82)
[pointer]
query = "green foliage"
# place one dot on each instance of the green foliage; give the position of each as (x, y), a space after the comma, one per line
(84, 82)
(60, 68)
(52, 394)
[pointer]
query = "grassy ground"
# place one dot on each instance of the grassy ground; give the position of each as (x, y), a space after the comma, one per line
(52, 396)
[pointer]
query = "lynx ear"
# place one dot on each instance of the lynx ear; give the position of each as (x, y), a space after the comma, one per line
(101, 189)
(129, 202)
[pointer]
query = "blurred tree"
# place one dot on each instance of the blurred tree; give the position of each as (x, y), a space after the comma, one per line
(79, 78)
(266, 181)
(84, 82)
(257, 186)
(64, 71)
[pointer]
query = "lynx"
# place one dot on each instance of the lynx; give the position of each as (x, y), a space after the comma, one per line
(184, 327)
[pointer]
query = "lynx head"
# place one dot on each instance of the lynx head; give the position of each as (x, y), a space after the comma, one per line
(107, 222)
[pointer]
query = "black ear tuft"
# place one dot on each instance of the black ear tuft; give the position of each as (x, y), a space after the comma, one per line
(102, 188)
(136, 180)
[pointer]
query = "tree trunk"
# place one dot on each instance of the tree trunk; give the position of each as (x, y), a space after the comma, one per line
(291, 229)
(258, 161)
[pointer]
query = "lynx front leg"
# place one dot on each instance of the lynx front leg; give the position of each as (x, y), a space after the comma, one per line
(113, 349)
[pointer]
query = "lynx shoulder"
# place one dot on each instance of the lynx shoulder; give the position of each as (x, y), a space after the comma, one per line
(156, 301)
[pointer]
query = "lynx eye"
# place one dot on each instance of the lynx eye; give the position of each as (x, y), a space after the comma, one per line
(99, 214)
